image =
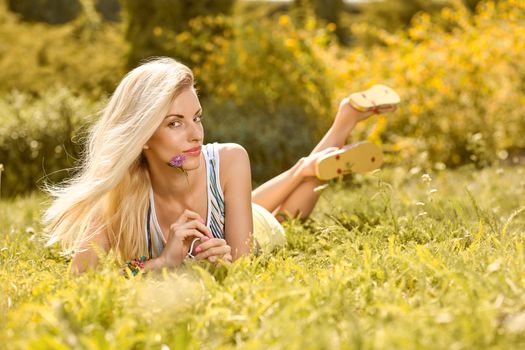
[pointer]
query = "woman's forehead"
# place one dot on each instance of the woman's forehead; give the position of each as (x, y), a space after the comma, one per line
(185, 104)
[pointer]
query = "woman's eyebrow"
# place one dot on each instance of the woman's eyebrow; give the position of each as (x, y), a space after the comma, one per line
(180, 115)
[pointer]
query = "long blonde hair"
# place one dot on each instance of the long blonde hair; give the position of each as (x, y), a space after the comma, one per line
(110, 191)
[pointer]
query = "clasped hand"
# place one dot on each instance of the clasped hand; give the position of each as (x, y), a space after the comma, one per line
(183, 231)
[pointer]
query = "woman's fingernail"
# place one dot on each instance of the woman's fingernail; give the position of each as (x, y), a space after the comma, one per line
(198, 249)
(206, 238)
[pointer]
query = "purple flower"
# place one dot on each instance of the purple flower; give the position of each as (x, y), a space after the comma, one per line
(177, 161)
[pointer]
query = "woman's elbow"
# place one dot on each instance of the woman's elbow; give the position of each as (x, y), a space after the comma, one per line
(82, 261)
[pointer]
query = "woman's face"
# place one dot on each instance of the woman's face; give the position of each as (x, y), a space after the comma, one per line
(180, 133)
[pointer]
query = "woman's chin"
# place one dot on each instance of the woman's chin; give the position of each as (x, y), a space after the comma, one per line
(189, 166)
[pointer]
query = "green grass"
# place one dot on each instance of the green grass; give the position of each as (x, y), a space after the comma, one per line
(389, 260)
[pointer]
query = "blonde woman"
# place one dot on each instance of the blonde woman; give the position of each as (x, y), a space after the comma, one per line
(149, 187)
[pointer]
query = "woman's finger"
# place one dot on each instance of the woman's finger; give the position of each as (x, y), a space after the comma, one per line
(198, 225)
(215, 251)
(183, 234)
(213, 242)
(226, 258)
(188, 215)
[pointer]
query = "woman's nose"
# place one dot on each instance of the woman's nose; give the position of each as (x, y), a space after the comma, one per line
(196, 132)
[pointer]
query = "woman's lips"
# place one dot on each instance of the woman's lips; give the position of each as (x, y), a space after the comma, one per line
(193, 152)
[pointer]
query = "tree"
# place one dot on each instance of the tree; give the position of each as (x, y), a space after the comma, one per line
(61, 11)
(144, 32)
(49, 11)
(395, 14)
(328, 11)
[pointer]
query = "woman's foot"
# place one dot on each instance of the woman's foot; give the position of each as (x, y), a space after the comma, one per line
(379, 99)
(361, 105)
(307, 165)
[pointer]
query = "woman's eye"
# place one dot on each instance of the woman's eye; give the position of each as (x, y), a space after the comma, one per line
(198, 118)
(174, 123)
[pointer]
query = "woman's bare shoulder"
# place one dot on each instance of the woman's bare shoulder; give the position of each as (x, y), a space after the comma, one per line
(231, 151)
(234, 162)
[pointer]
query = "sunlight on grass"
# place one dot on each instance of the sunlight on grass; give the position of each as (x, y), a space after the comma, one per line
(395, 259)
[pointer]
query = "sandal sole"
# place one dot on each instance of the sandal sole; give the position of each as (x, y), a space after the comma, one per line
(377, 97)
(359, 157)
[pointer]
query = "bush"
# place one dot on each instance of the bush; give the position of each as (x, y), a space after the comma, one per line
(50, 11)
(144, 33)
(396, 14)
(85, 55)
(460, 82)
(274, 141)
(325, 11)
(39, 137)
(262, 84)
(261, 87)
(61, 11)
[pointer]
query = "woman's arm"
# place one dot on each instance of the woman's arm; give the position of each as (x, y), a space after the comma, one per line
(88, 258)
(236, 175)
(189, 225)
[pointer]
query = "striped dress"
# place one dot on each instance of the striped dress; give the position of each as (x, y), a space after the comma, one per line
(215, 219)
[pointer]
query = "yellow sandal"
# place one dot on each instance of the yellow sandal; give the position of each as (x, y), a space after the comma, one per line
(359, 157)
(378, 98)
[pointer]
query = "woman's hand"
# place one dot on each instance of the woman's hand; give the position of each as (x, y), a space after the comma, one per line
(187, 227)
(213, 249)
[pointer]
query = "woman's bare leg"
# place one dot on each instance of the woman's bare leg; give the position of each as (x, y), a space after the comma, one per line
(303, 198)
(274, 192)
(292, 191)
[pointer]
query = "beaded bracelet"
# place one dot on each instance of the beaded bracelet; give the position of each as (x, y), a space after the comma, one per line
(136, 265)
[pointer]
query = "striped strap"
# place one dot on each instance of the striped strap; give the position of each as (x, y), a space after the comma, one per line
(216, 197)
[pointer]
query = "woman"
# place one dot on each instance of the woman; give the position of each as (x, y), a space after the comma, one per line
(149, 187)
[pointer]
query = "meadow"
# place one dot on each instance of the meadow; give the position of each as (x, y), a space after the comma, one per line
(427, 253)
(394, 259)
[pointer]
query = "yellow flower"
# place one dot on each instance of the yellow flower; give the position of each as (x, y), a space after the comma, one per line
(232, 88)
(378, 129)
(398, 146)
(243, 56)
(311, 23)
(290, 43)
(195, 56)
(182, 37)
(415, 108)
(284, 20)
(331, 27)
(157, 31)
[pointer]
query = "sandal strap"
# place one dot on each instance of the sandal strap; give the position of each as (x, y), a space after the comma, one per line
(375, 109)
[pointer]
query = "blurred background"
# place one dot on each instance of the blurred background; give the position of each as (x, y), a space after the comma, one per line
(270, 75)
